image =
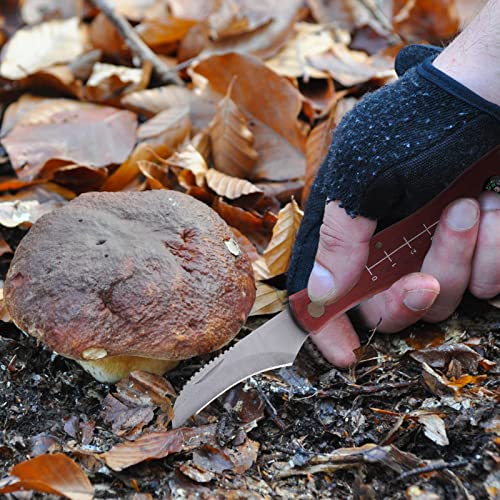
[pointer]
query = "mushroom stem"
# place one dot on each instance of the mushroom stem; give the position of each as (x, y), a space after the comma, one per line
(113, 368)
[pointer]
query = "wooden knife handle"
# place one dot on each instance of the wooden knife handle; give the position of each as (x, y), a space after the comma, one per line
(399, 249)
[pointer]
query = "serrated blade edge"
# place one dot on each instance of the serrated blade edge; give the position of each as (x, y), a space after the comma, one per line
(273, 345)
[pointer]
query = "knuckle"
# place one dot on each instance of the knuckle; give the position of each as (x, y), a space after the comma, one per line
(332, 238)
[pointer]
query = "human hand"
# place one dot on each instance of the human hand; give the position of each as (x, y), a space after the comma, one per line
(383, 166)
(464, 253)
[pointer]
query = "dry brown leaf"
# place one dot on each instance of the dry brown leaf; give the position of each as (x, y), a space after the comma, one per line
(317, 147)
(278, 160)
(16, 213)
(434, 429)
(291, 60)
(268, 300)
(61, 129)
(37, 11)
(278, 104)
(232, 140)
(152, 101)
(235, 17)
(147, 447)
(104, 36)
(168, 128)
(352, 67)
(346, 14)
(269, 38)
(257, 228)
(129, 169)
(228, 186)
(277, 254)
(188, 158)
(108, 82)
(137, 10)
(426, 19)
(56, 474)
(159, 176)
(157, 32)
(49, 43)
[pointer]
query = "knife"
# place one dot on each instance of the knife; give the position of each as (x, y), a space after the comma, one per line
(394, 252)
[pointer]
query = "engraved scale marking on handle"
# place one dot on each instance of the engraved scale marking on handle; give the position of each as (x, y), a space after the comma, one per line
(399, 249)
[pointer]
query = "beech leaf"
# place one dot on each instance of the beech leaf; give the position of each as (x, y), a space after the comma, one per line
(268, 300)
(49, 43)
(190, 159)
(228, 186)
(147, 447)
(277, 254)
(232, 141)
(56, 474)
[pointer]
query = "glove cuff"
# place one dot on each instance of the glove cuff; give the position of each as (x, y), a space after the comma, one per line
(450, 85)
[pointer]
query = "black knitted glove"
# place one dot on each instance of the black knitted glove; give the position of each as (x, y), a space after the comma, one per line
(396, 150)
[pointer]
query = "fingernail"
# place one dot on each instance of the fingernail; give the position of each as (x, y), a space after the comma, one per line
(490, 201)
(321, 286)
(419, 300)
(462, 215)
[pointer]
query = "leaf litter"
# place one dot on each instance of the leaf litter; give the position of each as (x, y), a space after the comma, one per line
(266, 86)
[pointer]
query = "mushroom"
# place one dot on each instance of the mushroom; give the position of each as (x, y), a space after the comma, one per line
(126, 281)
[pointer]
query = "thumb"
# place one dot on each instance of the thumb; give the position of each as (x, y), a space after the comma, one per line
(342, 254)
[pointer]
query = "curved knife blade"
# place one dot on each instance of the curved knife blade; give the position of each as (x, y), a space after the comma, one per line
(273, 345)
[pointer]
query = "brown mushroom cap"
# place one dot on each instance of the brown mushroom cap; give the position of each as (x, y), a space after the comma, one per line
(153, 274)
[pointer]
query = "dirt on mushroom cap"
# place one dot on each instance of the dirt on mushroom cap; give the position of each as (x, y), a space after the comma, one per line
(145, 274)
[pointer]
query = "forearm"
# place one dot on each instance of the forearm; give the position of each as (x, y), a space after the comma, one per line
(473, 58)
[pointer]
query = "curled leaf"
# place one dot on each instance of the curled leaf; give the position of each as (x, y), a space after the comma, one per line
(277, 254)
(190, 159)
(56, 474)
(268, 300)
(228, 186)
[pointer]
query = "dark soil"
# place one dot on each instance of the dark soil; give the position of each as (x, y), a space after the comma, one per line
(50, 404)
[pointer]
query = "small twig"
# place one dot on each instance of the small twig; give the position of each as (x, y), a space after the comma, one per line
(354, 389)
(269, 406)
(136, 45)
(431, 468)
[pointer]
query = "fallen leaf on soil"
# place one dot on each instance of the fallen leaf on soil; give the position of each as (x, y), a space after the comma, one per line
(257, 228)
(196, 473)
(56, 474)
(426, 19)
(244, 403)
(352, 67)
(278, 252)
(346, 14)
(158, 32)
(434, 429)
(269, 38)
(49, 43)
(147, 447)
(189, 158)
(61, 129)
(168, 128)
(291, 60)
(129, 169)
(268, 300)
(15, 213)
(278, 104)
(231, 140)
(441, 356)
(37, 11)
(212, 459)
(152, 101)
(228, 186)
(317, 147)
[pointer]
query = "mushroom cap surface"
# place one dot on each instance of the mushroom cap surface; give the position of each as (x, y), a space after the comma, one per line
(152, 274)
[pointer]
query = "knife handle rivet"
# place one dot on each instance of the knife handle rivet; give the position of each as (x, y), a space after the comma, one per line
(315, 310)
